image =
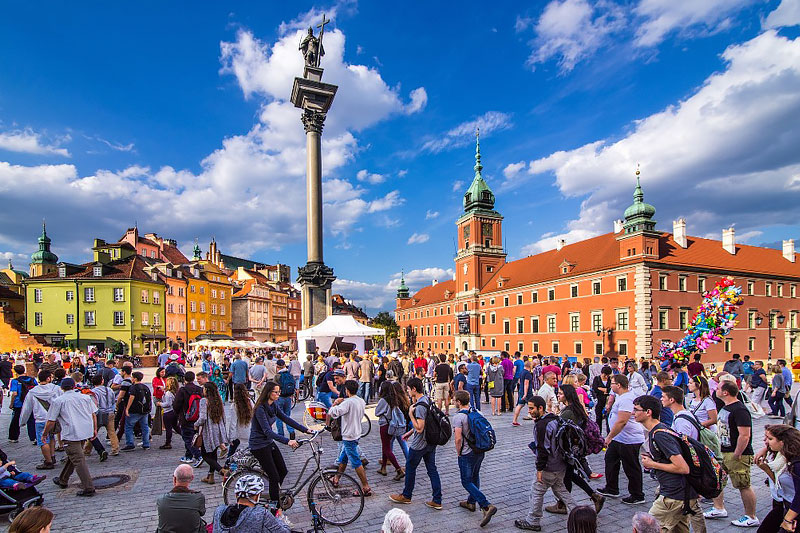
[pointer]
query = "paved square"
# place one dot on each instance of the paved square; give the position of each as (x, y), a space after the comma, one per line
(506, 478)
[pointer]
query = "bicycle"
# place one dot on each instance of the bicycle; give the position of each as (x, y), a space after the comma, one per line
(315, 413)
(338, 504)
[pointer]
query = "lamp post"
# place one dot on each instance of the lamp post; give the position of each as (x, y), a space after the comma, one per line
(602, 332)
(759, 319)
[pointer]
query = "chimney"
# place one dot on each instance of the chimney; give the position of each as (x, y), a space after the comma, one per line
(679, 232)
(617, 226)
(729, 240)
(788, 250)
(560, 244)
(434, 282)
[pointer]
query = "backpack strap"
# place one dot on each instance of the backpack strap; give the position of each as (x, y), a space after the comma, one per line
(694, 422)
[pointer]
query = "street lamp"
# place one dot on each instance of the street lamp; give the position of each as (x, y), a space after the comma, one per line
(759, 319)
(603, 332)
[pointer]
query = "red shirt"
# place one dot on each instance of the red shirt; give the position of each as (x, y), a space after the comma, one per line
(158, 387)
(695, 369)
(552, 368)
(421, 362)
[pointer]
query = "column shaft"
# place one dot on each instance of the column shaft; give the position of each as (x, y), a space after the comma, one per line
(314, 196)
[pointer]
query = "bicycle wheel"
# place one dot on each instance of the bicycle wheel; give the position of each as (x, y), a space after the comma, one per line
(366, 426)
(228, 493)
(305, 390)
(339, 505)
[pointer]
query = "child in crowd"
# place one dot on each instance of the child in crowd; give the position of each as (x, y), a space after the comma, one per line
(13, 479)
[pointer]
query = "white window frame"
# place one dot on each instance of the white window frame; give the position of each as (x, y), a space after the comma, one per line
(87, 315)
(572, 326)
(70, 319)
(555, 346)
(38, 319)
(70, 296)
(119, 294)
(88, 294)
(37, 296)
(119, 318)
(552, 328)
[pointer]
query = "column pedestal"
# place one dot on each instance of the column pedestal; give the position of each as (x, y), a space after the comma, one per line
(315, 283)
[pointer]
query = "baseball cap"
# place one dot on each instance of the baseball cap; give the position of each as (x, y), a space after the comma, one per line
(338, 373)
(67, 383)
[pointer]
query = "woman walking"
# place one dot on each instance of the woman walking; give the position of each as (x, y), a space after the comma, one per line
(239, 418)
(211, 431)
(385, 410)
(775, 400)
(405, 404)
(170, 416)
(494, 380)
(262, 437)
(216, 379)
(784, 440)
(702, 405)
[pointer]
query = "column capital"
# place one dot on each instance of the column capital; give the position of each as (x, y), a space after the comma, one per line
(313, 121)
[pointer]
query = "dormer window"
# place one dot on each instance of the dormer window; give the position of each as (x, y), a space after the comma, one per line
(468, 197)
(62, 272)
(485, 196)
(97, 271)
(169, 272)
(179, 273)
(154, 276)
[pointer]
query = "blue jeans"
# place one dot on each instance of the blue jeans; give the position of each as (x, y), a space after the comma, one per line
(474, 395)
(363, 390)
(188, 435)
(470, 467)
(427, 454)
(325, 398)
(284, 404)
(348, 452)
(130, 421)
(403, 445)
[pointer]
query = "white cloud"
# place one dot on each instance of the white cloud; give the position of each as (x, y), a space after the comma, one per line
(660, 17)
(726, 154)
(431, 214)
(464, 133)
(418, 238)
(419, 99)
(30, 142)
(117, 146)
(392, 199)
(381, 297)
(512, 169)
(786, 14)
(402, 173)
(458, 185)
(364, 175)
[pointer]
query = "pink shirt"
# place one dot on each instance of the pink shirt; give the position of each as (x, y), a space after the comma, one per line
(508, 368)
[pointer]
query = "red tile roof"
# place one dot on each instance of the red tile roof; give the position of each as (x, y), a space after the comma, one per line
(434, 293)
(129, 268)
(174, 255)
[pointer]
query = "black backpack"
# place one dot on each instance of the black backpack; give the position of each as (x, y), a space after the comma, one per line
(25, 387)
(706, 475)
(438, 429)
(142, 399)
(286, 382)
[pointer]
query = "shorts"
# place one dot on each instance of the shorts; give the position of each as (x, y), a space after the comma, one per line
(738, 470)
(41, 439)
(349, 454)
(522, 400)
(441, 391)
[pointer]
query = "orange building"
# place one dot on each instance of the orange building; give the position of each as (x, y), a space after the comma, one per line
(621, 293)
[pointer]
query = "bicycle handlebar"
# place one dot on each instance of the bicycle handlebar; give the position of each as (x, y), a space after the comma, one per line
(311, 439)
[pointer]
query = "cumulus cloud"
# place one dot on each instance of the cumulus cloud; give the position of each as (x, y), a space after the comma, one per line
(418, 238)
(374, 179)
(512, 169)
(727, 153)
(661, 17)
(30, 142)
(786, 14)
(464, 133)
(381, 296)
(261, 171)
(419, 99)
(429, 214)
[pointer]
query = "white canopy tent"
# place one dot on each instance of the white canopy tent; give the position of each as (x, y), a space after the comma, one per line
(327, 331)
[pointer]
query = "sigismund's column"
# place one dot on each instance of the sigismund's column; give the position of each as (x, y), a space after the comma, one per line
(314, 97)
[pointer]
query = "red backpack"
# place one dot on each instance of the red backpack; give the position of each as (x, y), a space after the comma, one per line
(193, 408)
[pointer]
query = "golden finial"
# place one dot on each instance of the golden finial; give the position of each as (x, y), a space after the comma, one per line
(637, 169)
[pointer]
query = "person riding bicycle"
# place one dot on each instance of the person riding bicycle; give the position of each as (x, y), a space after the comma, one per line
(262, 437)
(246, 515)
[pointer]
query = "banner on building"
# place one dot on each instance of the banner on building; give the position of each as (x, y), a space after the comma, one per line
(463, 323)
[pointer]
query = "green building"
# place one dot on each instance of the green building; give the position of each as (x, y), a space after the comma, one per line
(106, 304)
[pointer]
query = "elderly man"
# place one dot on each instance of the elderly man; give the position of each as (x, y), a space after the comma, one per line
(76, 414)
(180, 510)
(245, 513)
(644, 523)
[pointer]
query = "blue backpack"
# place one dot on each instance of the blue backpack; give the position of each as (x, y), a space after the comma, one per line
(482, 437)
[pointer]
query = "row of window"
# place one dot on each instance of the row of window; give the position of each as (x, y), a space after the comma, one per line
(664, 321)
(90, 318)
(663, 284)
(89, 295)
(622, 285)
(193, 308)
(555, 346)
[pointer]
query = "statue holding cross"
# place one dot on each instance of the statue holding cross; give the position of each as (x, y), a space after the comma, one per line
(311, 46)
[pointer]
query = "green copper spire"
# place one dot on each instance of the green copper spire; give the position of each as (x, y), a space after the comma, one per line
(479, 195)
(402, 291)
(196, 256)
(639, 216)
(44, 255)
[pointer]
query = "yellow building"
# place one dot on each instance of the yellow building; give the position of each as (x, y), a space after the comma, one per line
(208, 296)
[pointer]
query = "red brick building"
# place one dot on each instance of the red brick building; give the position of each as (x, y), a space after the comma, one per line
(621, 293)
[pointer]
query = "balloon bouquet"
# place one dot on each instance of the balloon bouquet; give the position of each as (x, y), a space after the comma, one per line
(714, 319)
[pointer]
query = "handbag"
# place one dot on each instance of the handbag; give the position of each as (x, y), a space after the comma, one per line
(158, 422)
(198, 440)
(57, 425)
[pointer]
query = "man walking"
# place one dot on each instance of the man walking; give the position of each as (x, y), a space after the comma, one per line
(19, 390)
(76, 414)
(670, 468)
(735, 429)
(351, 412)
(365, 374)
(469, 460)
(442, 377)
(623, 442)
(185, 399)
(36, 403)
(419, 448)
(683, 421)
(474, 383)
(525, 391)
(286, 383)
(136, 412)
(550, 467)
(258, 375)
(788, 379)
(508, 383)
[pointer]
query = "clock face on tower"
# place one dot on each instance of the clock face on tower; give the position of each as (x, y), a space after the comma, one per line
(487, 229)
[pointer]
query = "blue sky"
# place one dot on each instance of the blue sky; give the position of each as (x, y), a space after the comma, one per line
(179, 119)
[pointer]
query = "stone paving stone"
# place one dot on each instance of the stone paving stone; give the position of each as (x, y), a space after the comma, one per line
(506, 478)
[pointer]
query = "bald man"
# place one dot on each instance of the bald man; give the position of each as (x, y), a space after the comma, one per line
(181, 509)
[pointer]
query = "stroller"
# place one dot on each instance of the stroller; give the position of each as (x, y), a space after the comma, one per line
(14, 502)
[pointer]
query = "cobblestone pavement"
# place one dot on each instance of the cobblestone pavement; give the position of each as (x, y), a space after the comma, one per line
(506, 478)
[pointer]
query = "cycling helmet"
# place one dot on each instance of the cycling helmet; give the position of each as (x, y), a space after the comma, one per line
(249, 485)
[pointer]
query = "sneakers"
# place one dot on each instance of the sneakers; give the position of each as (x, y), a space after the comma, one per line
(524, 524)
(630, 500)
(608, 494)
(103, 456)
(434, 505)
(13, 441)
(128, 448)
(198, 462)
(399, 498)
(716, 513)
(165, 447)
(468, 506)
(187, 460)
(515, 424)
(746, 521)
(488, 513)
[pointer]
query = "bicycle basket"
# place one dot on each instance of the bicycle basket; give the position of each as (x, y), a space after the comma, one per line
(316, 411)
(244, 459)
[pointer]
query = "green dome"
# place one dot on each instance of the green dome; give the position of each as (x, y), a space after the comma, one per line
(639, 215)
(640, 210)
(44, 255)
(479, 195)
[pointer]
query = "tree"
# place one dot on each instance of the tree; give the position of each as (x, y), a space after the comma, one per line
(385, 320)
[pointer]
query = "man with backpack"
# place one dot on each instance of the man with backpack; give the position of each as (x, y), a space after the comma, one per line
(284, 402)
(550, 465)
(19, 388)
(137, 410)
(422, 444)
(36, 404)
(470, 455)
(670, 468)
(683, 421)
(187, 405)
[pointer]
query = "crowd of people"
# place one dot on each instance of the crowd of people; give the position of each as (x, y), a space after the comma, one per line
(635, 412)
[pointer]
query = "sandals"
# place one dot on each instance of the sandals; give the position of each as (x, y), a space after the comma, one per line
(366, 492)
(399, 475)
(382, 471)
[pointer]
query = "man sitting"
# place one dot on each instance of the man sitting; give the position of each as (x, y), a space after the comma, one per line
(180, 510)
(246, 515)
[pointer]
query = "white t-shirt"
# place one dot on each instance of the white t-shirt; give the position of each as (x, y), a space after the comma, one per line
(700, 410)
(548, 395)
(683, 426)
(633, 432)
(636, 384)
